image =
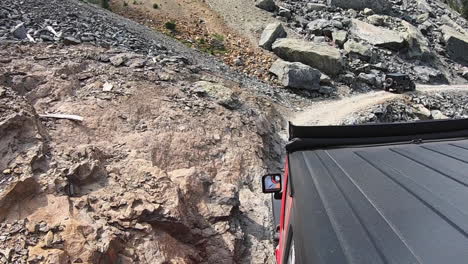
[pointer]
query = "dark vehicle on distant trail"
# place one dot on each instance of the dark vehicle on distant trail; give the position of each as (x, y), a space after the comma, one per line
(373, 194)
(399, 83)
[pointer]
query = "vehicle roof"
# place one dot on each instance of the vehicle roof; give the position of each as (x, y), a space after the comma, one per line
(390, 203)
(384, 204)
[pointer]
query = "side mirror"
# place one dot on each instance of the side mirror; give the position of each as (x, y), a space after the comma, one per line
(271, 183)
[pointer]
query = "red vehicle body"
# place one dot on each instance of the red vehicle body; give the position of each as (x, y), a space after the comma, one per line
(286, 203)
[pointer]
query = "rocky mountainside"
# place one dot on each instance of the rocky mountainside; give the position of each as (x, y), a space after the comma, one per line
(358, 42)
(119, 144)
(160, 160)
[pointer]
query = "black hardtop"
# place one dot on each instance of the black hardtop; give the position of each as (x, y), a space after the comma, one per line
(311, 137)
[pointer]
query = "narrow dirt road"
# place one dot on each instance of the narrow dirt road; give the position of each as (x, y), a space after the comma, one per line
(333, 112)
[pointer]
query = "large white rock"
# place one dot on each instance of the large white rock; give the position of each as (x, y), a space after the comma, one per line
(418, 44)
(296, 75)
(271, 33)
(456, 44)
(377, 36)
(379, 6)
(360, 49)
(317, 55)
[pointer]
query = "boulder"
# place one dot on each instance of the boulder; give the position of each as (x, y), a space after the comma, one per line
(267, 5)
(270, 34)
(378, 6)
(376, 20)
(456, 44)
(446, 20)
(284, 12)
(418, 44)
(318, 26)
(296, 75)
(340, 37)
(377, 36)
(317, 55)
(360, 49)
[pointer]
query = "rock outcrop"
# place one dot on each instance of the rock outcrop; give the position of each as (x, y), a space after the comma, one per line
(320, 56)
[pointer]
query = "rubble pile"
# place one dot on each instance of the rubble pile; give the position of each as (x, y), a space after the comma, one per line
(441, 105)
(423, 38)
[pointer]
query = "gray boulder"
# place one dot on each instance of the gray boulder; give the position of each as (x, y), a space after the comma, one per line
(379, 6)
(377, 36)
(318, 26)
(296, 75)
(318, 55)
(267, 5)
(376, 20)
(340, 37)
(418, 44)
(456, 44)
(19, 31)
(271, 33)
(360, 49)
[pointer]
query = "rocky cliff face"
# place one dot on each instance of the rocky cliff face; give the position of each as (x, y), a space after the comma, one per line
(163, 167)
(160, 170)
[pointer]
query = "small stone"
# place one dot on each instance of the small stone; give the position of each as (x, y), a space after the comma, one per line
(7, 171)
(340, 37)
(71, 41)
(286, 13)
(107, 87)
(422, 18)
(49, 239)
(315, 7)
(19, 31)
(267, 5)
(436, 114)
(422, 112)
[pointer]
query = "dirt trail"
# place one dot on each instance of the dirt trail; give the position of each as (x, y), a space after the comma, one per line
(333, 112)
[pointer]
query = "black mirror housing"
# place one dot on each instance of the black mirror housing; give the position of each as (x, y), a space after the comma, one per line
(272, 183)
